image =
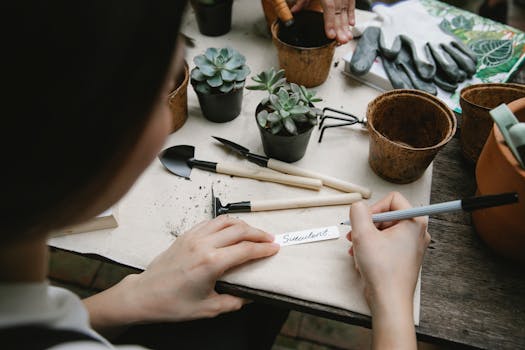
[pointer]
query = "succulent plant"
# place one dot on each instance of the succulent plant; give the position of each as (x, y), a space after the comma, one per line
(286, 104)
(219, 70)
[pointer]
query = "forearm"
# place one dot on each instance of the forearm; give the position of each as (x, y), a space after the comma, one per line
(393, 324)
(111, 310)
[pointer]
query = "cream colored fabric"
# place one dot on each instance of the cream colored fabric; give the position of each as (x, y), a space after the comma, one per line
(161, 205)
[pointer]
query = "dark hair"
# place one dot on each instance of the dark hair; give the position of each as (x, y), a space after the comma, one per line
(82, 78)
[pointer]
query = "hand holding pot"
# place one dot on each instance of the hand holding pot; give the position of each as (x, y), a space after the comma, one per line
(388, 257)
(179, 284)
(338, 16)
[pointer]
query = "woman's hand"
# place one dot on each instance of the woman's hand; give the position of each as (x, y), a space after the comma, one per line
(338, 16)
(179, 284)
(388, 257)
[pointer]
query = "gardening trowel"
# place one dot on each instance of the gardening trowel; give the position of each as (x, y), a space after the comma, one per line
(294, 170)
(278, 204)
(180, 160)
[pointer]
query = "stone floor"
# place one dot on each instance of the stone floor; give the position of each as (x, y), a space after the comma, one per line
(86, 276)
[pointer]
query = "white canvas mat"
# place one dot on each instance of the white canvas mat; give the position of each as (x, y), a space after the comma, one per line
(161, 205)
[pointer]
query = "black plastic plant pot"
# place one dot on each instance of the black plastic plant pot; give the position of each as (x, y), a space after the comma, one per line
(288, 148)
(213, 20)
(219, 107)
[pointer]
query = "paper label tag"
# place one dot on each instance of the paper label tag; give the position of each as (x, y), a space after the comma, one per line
(307, 236)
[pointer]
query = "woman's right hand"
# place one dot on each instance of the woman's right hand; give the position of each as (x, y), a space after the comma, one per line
(179, 284)
(388, 256)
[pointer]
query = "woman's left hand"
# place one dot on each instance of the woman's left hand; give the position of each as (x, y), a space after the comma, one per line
(339, 15)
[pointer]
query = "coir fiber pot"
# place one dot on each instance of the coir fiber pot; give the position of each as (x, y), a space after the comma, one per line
(305, 53)
(269, 9)
(178, 100)
(288, 148)
(497, 171)
(213, 20)
(407, 129)
(476, 101)
(221, 107)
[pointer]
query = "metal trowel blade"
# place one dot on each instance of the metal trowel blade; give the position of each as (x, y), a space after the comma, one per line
(175, 159)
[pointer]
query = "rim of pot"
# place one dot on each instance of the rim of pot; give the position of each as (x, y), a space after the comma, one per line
(429, 98)
(183, 83)
(259, 108)
(485, 86)
(274, 29)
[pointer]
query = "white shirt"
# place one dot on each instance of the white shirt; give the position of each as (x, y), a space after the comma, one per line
(53, 307)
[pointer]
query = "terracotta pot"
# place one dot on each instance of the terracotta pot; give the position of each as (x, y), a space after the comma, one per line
(271, 16)
(178, 101)
(407, 129)
(497, 171)
(308, 59)
(476, 101)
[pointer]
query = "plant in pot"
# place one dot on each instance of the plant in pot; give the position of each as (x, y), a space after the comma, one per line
(214, 17)
(285, 117)
(218, 79)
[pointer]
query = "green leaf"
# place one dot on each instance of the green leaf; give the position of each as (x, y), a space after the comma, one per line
(215, 81)
(276, 127)
(207, 70)
(238, 85)
(299, 110)
(226, 52)
(295, 88)
(300, 118)
(283, 95)
(262, 118)
(256, 87)
(211, 53)
(289, 125)
(196, 74)
(236, 61)
(242, 73)
(462, 22)
(226, 87)
(274, 100)
(492, 53)
(227, 75)
(203, 88)
(273, 117)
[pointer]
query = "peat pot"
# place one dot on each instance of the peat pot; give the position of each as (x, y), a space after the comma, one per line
(178, 100)
(497, 171)
(213, 20)
(407, 129)
(305, 53)
(476, 101)
(288, 148)
(221, 107)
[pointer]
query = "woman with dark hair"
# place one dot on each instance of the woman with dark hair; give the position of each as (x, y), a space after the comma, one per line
(85, 113)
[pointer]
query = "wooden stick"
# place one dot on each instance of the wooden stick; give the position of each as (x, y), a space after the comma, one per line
(305, 202)
(330, 181)
(266, 175)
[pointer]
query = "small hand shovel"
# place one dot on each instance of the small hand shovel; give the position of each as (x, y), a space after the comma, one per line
(279, 204)
(180, 160)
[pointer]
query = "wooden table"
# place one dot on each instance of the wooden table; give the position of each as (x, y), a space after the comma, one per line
(469, 296)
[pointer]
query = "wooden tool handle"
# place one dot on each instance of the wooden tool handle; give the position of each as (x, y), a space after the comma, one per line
(330, 181)
(283, 11)
(266, 175)
(305, 202)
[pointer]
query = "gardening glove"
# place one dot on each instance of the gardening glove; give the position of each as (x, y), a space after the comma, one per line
(407, 25)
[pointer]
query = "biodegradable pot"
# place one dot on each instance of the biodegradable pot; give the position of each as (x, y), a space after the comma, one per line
(305, 53)
(407, 129)
(221, 107)
(476, 101)
(213, 20)
(269, 10)
(288, 148)
(178, 100)
(497, 171)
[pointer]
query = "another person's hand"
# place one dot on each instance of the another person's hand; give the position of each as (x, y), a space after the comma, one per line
(179, 283)
(338, 16)
(388, 256)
